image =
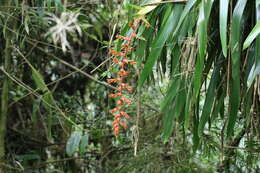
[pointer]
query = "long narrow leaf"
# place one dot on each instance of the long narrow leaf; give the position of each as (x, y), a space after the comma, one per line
(202, 24)
(223, 15)
(255, 70)
(158, 44)
(235, 64)
(253, 34)
(210, 96)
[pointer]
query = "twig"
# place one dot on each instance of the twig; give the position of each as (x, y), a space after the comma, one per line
(75, 68)
(100, 64)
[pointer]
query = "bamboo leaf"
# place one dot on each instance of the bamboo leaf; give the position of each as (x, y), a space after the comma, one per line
(235, 64)
(168, 124)
(255, 70)
(148, 9)
(38, 79)
(210, 96)
(252, 36)
(223, 15)
(171, 93)
(202, 24)
(185, 12)
(159, 42)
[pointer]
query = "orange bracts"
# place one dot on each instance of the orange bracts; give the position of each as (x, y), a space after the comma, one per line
(121, 60)
(114, 80)
(123, 38)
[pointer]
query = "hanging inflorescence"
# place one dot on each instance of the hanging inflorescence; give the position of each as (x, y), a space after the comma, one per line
(121, 60)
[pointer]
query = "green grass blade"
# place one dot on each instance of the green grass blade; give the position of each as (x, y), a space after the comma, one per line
(235, 64)
(158, 44)
(223, 15)
(252, 36)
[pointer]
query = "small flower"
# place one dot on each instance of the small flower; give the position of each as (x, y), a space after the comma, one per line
(124, 114)
(133, 63)
(125, 100)
(115, 109)
(119, 102)
(123, 38)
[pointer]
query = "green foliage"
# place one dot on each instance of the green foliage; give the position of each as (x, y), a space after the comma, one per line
(197, 78)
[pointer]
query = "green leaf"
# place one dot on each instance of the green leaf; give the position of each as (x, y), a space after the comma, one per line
(185, 12)
(159, 42)
(38, 79)
(73, 143)
(171, 93)
(252, 36)
(202, 24)
(168, 124)
(210, 96)
(255, 70)
(235, 45)
(223, 15)
(83, 144)
(148, 9)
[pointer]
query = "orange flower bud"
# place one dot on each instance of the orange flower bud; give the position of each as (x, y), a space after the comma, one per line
(122, 38)
(125, 114)
(119, 102)
(133, 63)
(133, 35)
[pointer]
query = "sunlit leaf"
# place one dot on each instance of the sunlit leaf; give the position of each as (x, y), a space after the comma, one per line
(73, 143)
(252, 36)
(223, 16)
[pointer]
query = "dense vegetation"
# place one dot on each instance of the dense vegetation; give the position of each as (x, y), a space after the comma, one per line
(195, 102)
